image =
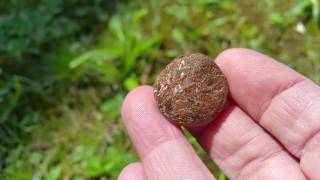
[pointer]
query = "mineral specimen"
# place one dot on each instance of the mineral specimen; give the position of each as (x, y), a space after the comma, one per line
(191, 90)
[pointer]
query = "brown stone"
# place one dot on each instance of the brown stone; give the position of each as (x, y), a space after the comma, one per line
(191, 90)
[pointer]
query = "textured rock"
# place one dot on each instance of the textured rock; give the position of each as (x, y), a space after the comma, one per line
(191, 90)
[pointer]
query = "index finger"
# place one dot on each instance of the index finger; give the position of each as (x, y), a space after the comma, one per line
(162, 146)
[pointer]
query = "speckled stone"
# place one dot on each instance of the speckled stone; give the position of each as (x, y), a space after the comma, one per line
(191, 90)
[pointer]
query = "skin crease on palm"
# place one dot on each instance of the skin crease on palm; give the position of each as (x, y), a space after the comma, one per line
(269, 129)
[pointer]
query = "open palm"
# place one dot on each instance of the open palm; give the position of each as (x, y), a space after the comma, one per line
(269, 129)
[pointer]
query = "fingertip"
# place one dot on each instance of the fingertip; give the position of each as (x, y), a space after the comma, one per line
(162, 146)
(229, 54)
(141, 94)
(146, 126)
(254, 78)
(133, 171)
(241, 59)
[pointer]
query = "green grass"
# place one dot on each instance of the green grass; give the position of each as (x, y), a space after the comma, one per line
(70, 113)
(73, 143)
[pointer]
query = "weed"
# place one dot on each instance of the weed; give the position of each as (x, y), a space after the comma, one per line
(64, 75)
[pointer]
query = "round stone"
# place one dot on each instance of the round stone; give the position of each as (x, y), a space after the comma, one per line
(191, 90)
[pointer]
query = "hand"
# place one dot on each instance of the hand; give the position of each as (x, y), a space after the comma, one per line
(269, 129)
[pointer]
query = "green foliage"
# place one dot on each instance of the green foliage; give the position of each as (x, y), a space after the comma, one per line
(28, 27)
(83, 148)
(67, 65)
(31, 33)
(308, 9)
(111, 107)
(123, 45)
(11, 98)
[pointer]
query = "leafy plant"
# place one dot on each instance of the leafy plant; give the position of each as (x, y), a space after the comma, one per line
(61, 91)
(28, 27)
(32, 33)
(116, 59)
(308, 12)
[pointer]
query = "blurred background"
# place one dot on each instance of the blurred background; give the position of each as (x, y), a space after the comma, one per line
(66, 66)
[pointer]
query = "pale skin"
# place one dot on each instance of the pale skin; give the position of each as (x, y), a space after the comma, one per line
(269, 129)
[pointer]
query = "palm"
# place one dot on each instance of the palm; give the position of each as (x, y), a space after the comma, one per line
(268, 130)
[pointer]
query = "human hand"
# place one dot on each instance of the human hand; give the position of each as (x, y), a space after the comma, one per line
(269, 129)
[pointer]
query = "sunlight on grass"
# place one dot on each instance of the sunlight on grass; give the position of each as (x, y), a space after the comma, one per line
(60, 100)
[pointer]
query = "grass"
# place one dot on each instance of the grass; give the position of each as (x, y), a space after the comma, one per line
(79, 134)
(72, 144)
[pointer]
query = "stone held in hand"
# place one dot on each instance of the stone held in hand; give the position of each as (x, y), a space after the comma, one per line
(191, 90)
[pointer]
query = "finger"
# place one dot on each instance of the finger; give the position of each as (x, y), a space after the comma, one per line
(243, 150)
(310, 163)
(133, 171)
(165, 152)
(281, 100)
